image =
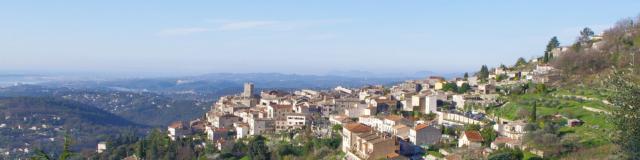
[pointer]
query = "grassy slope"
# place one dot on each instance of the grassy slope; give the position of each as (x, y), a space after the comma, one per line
(593, 133)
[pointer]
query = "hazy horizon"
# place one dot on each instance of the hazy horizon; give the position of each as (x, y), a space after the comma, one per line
(179, 39)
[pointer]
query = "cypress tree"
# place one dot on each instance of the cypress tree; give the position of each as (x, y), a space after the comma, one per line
(534, 115)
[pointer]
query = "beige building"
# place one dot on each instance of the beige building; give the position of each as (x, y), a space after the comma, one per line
(222, 120)
(349, 131)
(278, 111)
(401, 131)
(486, 89)
(373, 145)
(339, 119)
(439, 85)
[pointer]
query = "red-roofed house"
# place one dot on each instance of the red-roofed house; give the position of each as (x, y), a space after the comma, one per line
(472, 139)
(178, 129)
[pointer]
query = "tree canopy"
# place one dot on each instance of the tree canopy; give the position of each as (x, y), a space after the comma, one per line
(553, 43)
(626, 115)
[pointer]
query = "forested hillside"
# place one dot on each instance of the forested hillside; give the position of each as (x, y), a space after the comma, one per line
(30, 123)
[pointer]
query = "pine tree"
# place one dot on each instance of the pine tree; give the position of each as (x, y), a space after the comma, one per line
(521, 62)
(553, 43)
(140, 150)
(546, 57)
(483, 74)
(585, 35)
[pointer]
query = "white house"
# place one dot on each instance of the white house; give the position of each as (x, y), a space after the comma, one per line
(102, 146)
(177, 130)
(514, 129)
(242, 130)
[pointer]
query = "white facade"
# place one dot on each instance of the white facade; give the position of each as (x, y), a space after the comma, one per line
(242, 130)
(342, 89)
(371, 121)
(296, 121)
(431, 104)
(514, 130)
(459, 100)
(102, 146)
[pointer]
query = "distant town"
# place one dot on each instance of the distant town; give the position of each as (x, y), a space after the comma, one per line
(378, 122)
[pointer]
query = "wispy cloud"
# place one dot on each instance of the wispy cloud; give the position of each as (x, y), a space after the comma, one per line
(182, 31)
(241, 25)
(323, 36)
(229, 25)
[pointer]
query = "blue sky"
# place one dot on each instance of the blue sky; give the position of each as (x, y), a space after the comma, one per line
(167, 37)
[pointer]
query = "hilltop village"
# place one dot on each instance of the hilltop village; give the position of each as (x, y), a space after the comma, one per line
(407, 120)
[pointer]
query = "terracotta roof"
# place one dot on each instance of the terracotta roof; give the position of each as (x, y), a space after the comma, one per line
(473, 136)
(398, 126)
(357, 127)
(394, 117)
(222, 130)
(199, 126)
(437, 77)
(384, 100)
(280, 106)
(453, 157)
(339, 118)
(421, 126)
(176, 124)
(393, 155)
(501, 140)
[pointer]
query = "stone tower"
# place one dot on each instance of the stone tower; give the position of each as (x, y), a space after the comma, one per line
(248, 90)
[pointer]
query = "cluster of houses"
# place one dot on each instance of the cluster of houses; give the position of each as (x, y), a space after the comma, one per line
(397, 122)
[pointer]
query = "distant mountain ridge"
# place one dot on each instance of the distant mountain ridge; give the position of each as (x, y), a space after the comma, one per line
(140, 107)
(401, 74)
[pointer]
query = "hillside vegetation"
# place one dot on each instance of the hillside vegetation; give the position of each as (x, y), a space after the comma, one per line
(591, 59)
(42, 123)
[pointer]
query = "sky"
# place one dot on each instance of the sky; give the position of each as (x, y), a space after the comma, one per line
(303, 37)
